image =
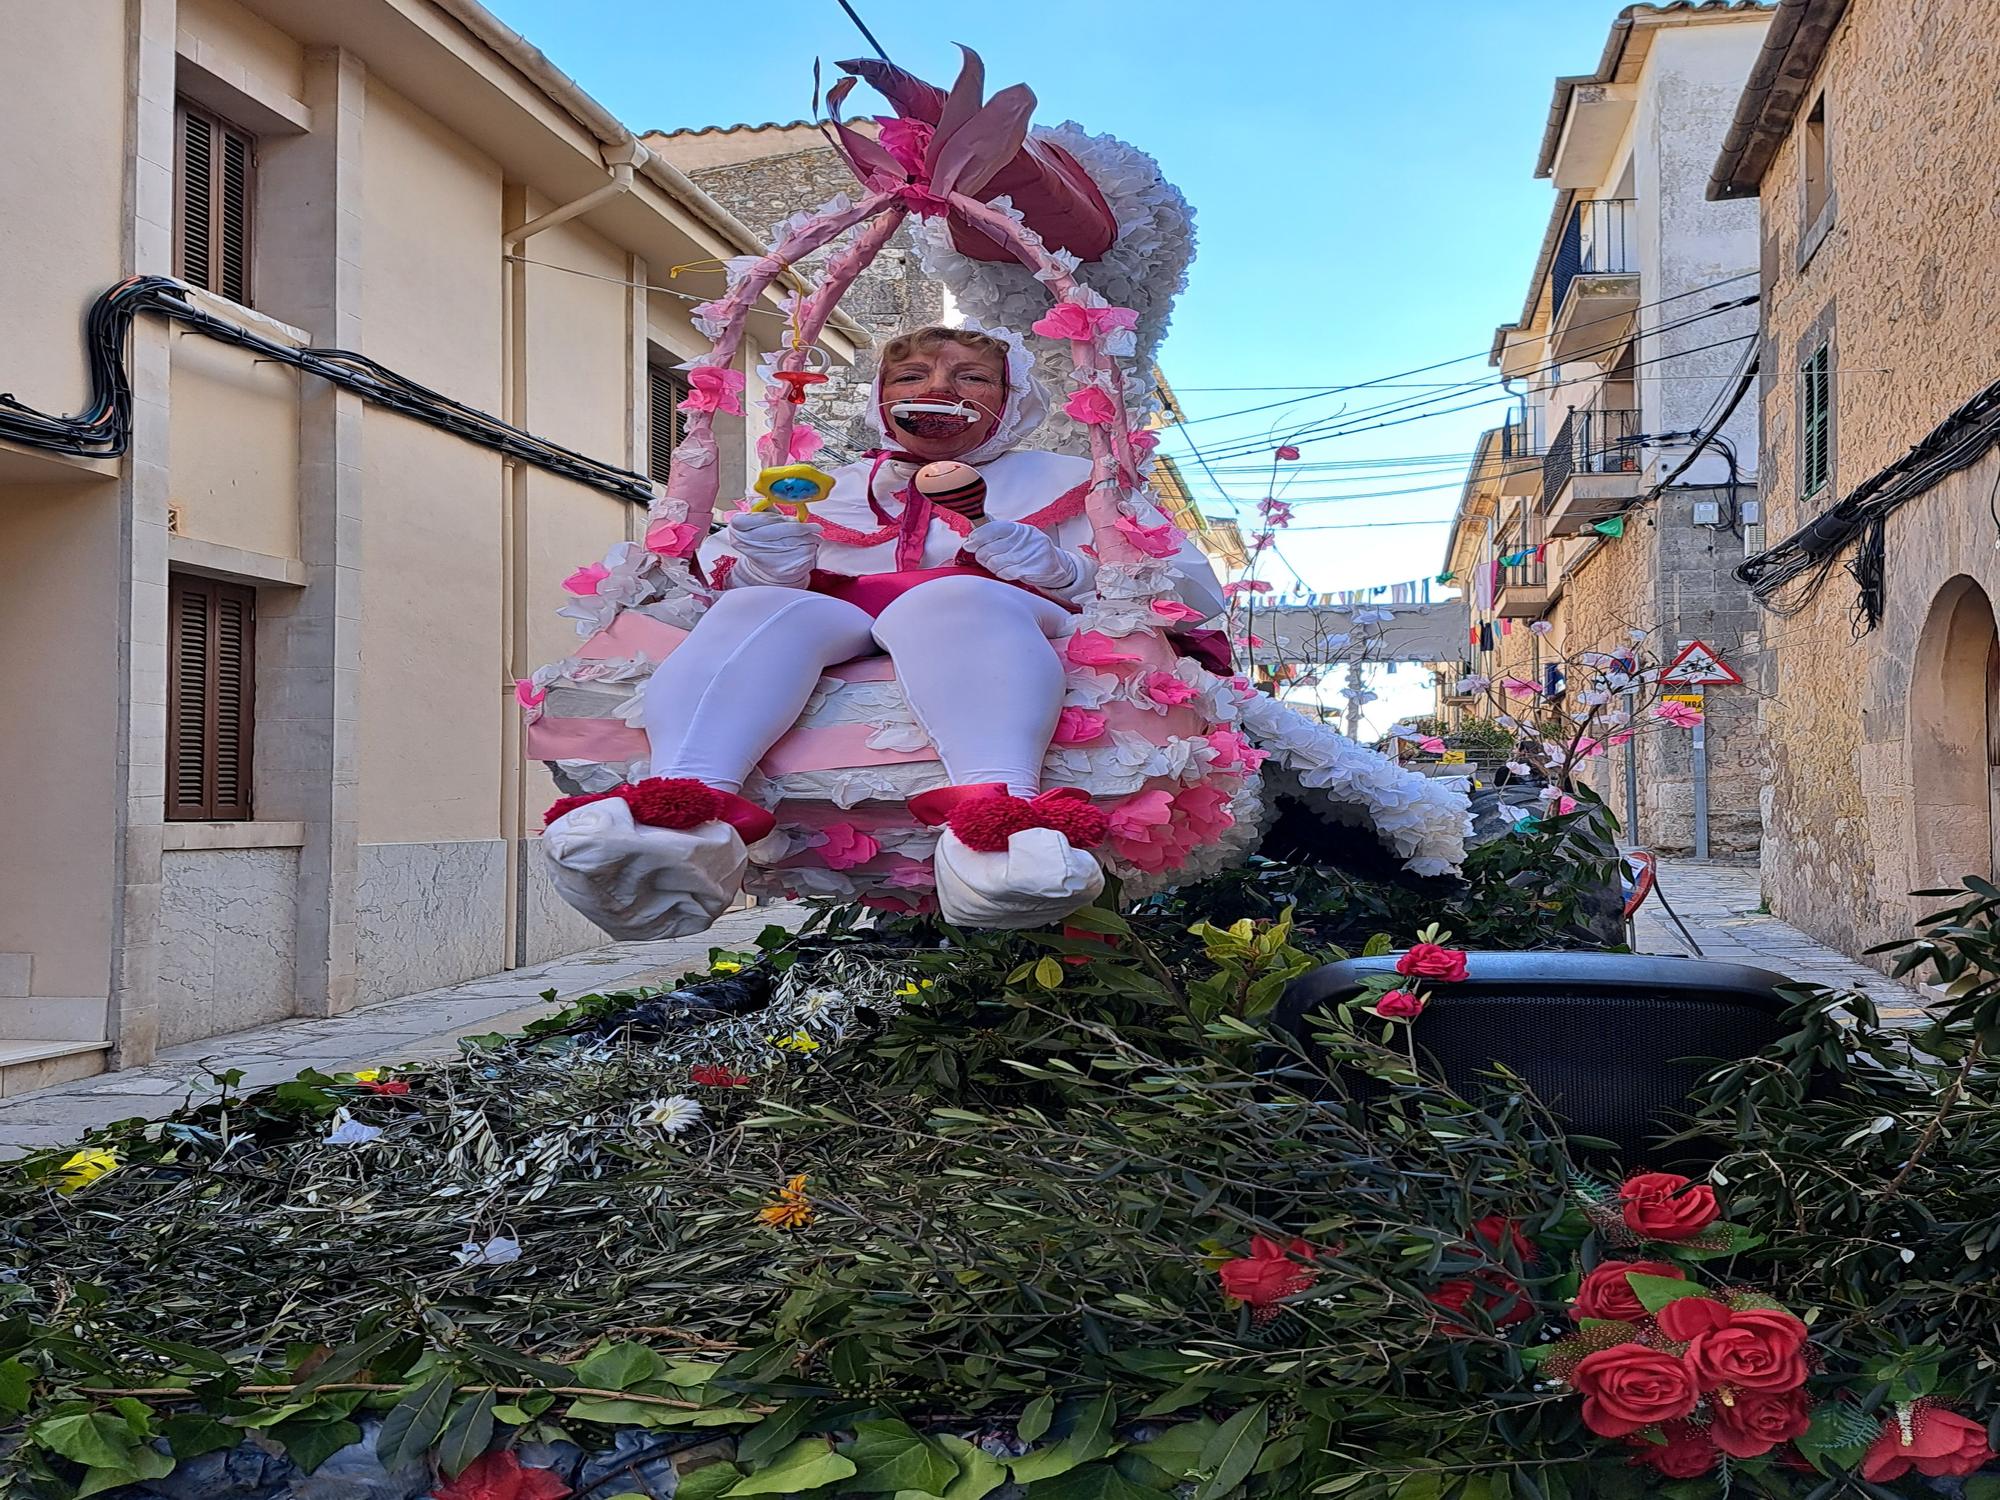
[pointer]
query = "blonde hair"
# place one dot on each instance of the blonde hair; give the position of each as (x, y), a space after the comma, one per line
(923, 340)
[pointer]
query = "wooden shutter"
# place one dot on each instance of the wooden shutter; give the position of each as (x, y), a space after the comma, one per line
(1815, 422)
(214, 171)
(666, 423)
(211, 673)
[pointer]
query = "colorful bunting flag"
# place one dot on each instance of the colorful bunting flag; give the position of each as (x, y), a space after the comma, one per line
(1611, 526)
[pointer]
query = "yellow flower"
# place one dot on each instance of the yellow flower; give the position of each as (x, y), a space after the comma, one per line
(727, 966)
(798, 1041)
(368, 1075)
(913, 991)
(85, 1168)
(791, 1210)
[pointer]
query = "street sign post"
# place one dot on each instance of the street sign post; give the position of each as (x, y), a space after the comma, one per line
(1696, 669)
(1698, 666)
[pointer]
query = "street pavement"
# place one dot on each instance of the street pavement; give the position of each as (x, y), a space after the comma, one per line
(1718, 902)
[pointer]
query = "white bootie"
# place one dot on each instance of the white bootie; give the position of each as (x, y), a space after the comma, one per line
(1039, 878)
(638, 882)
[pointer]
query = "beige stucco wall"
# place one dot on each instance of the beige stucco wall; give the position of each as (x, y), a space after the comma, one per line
(1911, 274)
(230, 42)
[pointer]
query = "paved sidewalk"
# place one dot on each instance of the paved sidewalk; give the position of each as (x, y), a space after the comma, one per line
(1721, 905)
(391, 1031)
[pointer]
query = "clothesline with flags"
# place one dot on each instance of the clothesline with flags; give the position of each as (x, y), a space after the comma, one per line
(1486, 583)
(1411, 591)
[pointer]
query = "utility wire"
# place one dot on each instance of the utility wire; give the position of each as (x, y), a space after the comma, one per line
(862, 27)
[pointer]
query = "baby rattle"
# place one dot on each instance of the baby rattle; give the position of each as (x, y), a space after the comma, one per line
(794, 486)
(955, 487)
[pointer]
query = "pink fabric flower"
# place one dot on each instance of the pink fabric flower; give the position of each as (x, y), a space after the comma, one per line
(907, 874)
(1245, 586)
(586, 578)
(1093, 648)
(713, 388)
(1518, 687)
(1588, 747)
(1090, 406)
(1069, 320)
(907, 141)
(1167, 690)
(806, 441)
(1233, 751)
(1140, 828)
(1246, 641)
(1163, 540)
(1288, 453)
(1173, 609)
(1079, 726)
(1206, 811)
(1430, 744)
(1144, 439)
(527, 694)
(1562, 803)
(1275, 511)
(1623, 736)
(672, 538)
(1680, 715)
(846, 846)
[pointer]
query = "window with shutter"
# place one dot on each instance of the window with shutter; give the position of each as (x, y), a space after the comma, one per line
(666, 423)
(211, 674)
(1816, 421)
(214, 175)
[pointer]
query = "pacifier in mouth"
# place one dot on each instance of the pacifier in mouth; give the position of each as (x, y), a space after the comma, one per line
(933, 419)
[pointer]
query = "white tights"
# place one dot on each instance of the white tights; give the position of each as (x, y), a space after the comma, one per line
(973, 656)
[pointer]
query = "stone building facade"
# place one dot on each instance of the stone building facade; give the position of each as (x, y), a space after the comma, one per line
(1870, 133)
(1630, 341)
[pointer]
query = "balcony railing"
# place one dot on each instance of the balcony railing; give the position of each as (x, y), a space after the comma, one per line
(1517, 438)
(1532, 574)
(1590, 442)
(1597, 241)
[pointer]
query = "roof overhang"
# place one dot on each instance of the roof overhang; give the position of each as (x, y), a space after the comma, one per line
(1794, 47)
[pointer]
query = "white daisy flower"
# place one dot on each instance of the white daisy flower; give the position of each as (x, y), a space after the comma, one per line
(673, 1115)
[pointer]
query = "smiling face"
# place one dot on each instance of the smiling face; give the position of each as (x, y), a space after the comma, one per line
(943, 370)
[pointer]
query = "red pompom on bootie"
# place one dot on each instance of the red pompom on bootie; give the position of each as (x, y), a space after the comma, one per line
(676, 802)
(985, 815)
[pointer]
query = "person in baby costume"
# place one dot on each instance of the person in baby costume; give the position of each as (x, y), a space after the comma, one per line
(961, 573)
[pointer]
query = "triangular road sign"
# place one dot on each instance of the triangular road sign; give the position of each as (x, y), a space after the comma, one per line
(1698, 666)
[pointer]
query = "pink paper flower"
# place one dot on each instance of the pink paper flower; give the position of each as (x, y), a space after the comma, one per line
(527, 694)
(1246, 641)
(1206, 811)
(713, 388)
(1079, 726)
(1090, 406)
(1588, 747)
(907, 874)
(586, 578)
(1162, 540)
(1288, 453)
(1245, 586)
(1430, 744)
(672, 538)
(1167, 690)
(1173, 609)
(1139, 829)
(1093, 648)
(1680, 715)
(1561, 802)
(1516, 687)
(1070, 320)
(846, 846)
(1144, 439)
(1622, 737)
(806, 441)
(1275, 511)
(1234, 752)
(907, 141)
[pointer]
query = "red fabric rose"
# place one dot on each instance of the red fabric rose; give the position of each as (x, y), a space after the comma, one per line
(1686, 1454)
(1500, 1297)
(1682, 1319)
(500, 1475)
(1400, 1005)
(1606, 1293)
(387, 1086)
(1500, 1234)
(1667, 1206)
(1755, 1422)
(1941, 1442)
(1429, 961)
(1628, 1387)
(1267, 1275)
(711, 1075)
(1760, 1349)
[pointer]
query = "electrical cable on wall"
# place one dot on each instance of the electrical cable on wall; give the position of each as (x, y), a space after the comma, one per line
(104, 428)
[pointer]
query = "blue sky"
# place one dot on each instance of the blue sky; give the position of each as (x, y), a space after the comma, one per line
(1362, 178)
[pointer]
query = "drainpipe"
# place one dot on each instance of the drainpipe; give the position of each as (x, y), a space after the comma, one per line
(623, 159)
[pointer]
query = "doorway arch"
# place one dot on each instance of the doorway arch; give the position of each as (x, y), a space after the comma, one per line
(1954, 723)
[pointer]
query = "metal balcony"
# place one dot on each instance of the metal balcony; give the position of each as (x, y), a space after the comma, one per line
(1523, 591)
(1521, 455)
(1592, 470)
(1594, 281)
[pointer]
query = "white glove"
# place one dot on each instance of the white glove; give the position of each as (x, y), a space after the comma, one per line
(1023, 553)
(772, 548)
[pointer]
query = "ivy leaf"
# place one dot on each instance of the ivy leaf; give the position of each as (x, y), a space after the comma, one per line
(618, 1367)
(1089, 1439)
(467, 1434)
(191, 1436)
(1232, 1453)
(1091, 1482)
(1035, 1420)
(890, 1456)
(1655, 1292)
(310, 1444)
(15, 1384)
(95, 1439)
(145, 1464)
(979, 1472)
(414, 1422)
(709, 1482)
(806, 1465)
(775, 1431)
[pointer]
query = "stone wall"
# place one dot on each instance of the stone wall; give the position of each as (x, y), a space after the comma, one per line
(1907, 281)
